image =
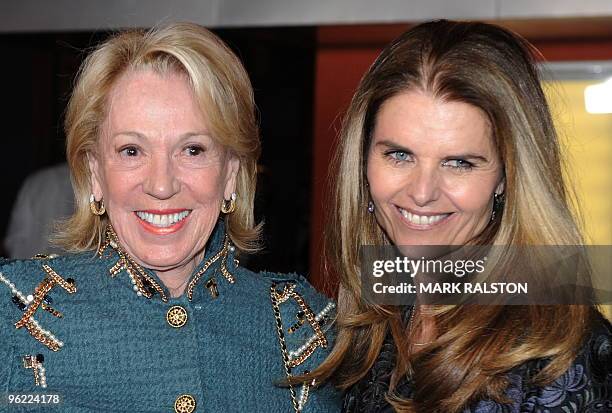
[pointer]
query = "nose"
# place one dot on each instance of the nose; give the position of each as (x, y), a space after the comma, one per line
(162, 181)
(424, 185)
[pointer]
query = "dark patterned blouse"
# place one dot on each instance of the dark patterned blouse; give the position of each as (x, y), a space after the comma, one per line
(586, 387)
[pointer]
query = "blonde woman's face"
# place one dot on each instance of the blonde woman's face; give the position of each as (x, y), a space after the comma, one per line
(432, 170)
(160, 173)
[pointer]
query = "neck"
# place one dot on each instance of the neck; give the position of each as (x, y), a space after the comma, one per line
(176, 279)
(176, 284)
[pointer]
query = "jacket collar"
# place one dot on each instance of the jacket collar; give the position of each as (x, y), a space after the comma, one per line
(219, 254)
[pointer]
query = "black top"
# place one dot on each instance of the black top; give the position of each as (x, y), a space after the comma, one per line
(585, 387)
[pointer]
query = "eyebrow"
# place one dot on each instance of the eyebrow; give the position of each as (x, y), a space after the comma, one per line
(392, 145)
(129, 133)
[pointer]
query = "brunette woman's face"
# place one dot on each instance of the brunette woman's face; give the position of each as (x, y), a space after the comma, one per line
(432, 169)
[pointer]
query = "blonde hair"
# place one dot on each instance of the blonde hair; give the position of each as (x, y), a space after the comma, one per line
(221, 87)
(492, 69)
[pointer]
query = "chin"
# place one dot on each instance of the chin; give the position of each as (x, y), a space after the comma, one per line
(406, 236)
(154, 259)
(417, 242)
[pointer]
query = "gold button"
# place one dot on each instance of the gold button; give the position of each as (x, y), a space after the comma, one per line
(176, 316)
(185, 403)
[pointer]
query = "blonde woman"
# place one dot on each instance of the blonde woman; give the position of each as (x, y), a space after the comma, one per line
(449, 141)
(151, 310)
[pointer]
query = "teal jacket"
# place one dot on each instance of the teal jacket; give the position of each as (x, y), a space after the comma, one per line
(103, 335)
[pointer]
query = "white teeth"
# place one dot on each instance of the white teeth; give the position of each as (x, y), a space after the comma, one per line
(163, 221)
(422, 219)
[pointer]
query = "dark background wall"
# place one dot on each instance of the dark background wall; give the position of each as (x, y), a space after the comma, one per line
(38, 72)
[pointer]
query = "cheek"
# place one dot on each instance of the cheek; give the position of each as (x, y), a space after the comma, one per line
(471, 197)
(206, 185)
(118, 187)
(382, 184)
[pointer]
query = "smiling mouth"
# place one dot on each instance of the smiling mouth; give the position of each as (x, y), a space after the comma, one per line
(166, 220)
(422, 220)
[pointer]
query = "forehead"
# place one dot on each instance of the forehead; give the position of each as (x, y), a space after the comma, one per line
(144, 98)
(419, 120)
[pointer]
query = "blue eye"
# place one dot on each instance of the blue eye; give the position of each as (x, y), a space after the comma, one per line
(458, 164)
(399, 155)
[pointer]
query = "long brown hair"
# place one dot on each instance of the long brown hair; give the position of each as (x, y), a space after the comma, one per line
(494, 70)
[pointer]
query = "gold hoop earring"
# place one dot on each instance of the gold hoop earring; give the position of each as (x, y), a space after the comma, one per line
(227, 207)
(97, 208)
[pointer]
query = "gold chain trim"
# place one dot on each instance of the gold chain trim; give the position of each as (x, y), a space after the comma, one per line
(35, 362)
(51, 310)
(278, 298)
(304, 394)
(36, 331)
(319, 337)
(39, 293)
(137, 274)
(51, 280)
(56, 278)
(221, 254)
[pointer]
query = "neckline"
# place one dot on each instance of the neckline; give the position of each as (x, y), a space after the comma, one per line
(145, 281)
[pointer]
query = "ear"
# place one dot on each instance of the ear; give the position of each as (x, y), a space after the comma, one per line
(94, 174)
(231, 174)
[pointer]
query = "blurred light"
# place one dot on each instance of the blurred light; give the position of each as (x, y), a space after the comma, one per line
(598, 98)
